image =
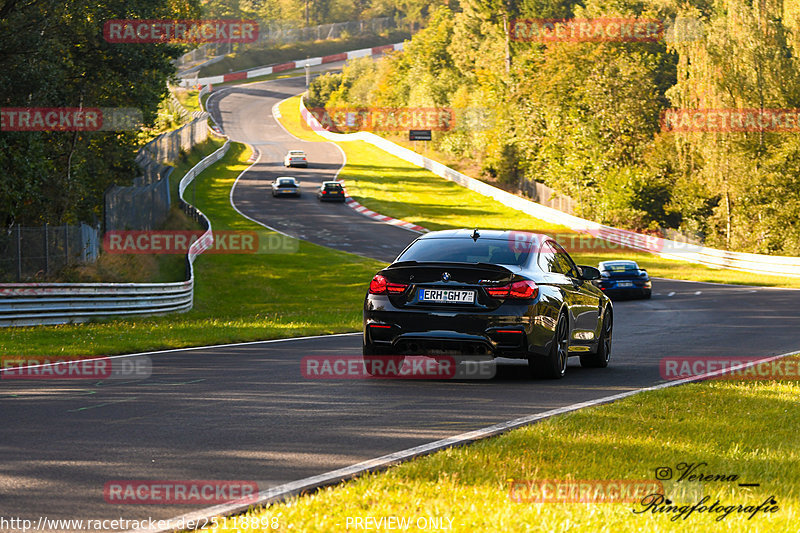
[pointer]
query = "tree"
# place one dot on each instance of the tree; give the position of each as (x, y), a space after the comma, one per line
(53, 55)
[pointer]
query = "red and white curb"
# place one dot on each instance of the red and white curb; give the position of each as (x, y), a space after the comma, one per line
(357, 207)
(299, 63)
(383, 218)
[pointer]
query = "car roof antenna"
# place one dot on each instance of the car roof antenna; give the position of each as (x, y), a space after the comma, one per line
(475, 235)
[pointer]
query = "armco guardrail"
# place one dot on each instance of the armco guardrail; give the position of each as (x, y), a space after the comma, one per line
(300, 63)
(670, 249)
(277, 32)
(28, 304)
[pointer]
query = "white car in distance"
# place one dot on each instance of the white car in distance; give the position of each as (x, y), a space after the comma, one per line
(295, 158)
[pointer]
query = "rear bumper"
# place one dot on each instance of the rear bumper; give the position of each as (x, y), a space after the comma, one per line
(628, 292)
(512, 330)
(612, 289)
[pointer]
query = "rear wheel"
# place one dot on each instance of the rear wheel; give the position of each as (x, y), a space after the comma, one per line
(554, 365)
(600, 358)
(380, 363)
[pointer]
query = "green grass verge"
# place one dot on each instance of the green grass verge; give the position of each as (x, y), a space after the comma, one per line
(187, 98)
(255, 57)
(148, 268)
(745, 429)
(237, 297)
(394, 187)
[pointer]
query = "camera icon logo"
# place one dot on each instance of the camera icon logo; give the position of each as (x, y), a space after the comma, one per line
(663, 473)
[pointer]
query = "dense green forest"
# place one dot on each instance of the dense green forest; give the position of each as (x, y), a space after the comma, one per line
(407, 12)
(53, 54)
(584, 117)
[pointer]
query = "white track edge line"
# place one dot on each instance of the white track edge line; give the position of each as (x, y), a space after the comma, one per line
(233, 188)
(312, 483)
(770, 287)
(344, 163)
(192, 348)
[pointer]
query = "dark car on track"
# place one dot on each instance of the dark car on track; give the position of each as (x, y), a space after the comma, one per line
(285, 186)
(331, 191)
(624, 279)
(465, 292)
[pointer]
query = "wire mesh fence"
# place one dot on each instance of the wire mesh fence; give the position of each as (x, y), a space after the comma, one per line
(542, 194)
(168, 146)
(30, 253)
(141, 206)
(145, 204)
(34, 253)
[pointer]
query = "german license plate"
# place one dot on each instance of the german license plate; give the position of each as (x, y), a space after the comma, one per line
(446, 296)
(624, 284)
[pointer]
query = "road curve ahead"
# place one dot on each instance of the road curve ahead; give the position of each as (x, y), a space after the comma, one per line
(245, 114)
(247, 413)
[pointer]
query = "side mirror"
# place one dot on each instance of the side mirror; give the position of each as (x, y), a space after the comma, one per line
(589, 273)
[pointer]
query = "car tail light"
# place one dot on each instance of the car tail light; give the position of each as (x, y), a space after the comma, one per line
(324, 192)
(523, 289)
(379, 285)
(519, 290)
(498, 292)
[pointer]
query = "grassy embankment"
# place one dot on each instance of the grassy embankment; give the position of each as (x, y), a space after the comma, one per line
(238, 297)
(394, 187)
(737, 428)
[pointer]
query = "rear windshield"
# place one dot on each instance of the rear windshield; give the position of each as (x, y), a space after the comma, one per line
(333, 187)
(462, 250)
(285, 183)
(620, 267)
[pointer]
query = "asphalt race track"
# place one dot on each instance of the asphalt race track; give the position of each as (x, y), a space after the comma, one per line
(245, 114)
(246, 412)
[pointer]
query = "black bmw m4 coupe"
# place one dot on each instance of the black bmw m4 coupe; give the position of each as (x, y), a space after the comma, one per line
(494, 293)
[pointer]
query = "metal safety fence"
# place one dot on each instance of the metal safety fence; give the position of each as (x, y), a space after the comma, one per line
(26, 304)
(35, 252)
(279, 32)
